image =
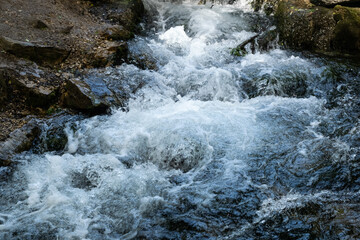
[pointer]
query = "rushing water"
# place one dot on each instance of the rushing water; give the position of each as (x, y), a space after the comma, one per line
(212, 146)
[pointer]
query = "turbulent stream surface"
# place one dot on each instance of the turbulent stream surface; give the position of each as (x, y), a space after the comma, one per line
(211, 146)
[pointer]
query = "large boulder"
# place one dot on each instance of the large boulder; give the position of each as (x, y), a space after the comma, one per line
(333, 3)
(303, 26)
(347, 30)
(44, 55)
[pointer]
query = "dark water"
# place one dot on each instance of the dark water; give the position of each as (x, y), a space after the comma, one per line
(212, 146)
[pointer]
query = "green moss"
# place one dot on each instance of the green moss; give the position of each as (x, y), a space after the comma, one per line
(239, 52)
(281, 12)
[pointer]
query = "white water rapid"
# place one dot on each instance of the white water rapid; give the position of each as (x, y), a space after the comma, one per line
(212, 146)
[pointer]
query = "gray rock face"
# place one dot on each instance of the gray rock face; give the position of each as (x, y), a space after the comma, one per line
(98, 90)
(332, 3)
(79, 95)
(40, 54)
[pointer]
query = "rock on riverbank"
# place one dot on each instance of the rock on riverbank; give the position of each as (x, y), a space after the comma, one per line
(45, 43)
(321, 26)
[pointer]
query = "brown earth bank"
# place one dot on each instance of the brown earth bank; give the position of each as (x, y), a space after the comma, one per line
(44, 43)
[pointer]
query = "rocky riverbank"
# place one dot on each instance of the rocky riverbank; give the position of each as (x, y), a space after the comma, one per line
(45, 45)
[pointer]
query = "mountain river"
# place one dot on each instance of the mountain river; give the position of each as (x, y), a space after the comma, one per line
(208, 145)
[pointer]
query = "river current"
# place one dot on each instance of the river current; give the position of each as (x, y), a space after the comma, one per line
(208, 146)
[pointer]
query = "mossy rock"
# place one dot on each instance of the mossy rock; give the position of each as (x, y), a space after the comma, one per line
(305, 28)
(347, 30)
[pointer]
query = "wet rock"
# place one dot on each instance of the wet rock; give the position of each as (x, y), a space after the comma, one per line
(262, 42)
(143, 61)
(316, 219)
(268, 40)
(240, 49)
(53, 136)
(108, 87)
(332, 3)
(40, 54)
(20, 140)
(55, 140)
(79, 95)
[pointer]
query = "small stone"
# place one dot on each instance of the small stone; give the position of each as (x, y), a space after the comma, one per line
(67, 30)
(40, 25)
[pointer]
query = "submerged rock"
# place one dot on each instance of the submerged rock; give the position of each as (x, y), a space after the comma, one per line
(53, 136)
(40, 54)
